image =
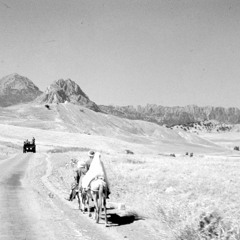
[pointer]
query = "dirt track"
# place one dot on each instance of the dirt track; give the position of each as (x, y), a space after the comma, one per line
(31, 208)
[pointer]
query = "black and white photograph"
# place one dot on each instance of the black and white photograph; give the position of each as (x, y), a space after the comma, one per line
(119, 119)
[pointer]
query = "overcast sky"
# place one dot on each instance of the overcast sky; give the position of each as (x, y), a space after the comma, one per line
(170, 53)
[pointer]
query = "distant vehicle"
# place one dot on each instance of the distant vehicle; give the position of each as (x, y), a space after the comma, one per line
(29, 146)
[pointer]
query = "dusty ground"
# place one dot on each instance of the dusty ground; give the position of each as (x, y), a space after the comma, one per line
(33, 207)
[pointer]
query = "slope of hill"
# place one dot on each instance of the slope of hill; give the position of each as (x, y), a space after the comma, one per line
(73, 118)
(15, 89)
(175, 115)
(62, 91)
(211, 126)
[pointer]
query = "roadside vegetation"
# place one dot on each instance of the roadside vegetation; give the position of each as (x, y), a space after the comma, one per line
(196, 198)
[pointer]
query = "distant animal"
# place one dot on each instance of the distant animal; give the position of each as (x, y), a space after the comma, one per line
(172, 155)
(186, 153)
(191, 154)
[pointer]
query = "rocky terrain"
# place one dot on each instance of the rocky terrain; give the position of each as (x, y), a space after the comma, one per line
(205, 126)
(67, 90)
(15, 89)
(171, 116)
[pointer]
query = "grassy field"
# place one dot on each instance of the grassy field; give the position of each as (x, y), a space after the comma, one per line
(197, 198)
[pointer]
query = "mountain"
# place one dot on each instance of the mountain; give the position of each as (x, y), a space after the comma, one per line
(15, 89)
(62, 91)
(175, 115)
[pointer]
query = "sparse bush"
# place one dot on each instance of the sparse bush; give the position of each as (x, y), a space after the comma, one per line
(129, 152)
(47, 106)
(209, 225)
(68, 149)
(135, 161)
(236, 148)
(213, 227)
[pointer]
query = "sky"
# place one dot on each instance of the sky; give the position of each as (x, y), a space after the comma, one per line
(164, 52)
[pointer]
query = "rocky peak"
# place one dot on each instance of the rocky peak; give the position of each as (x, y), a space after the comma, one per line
(62, 90)
(68, 86)
(15, 89)
(16, 82)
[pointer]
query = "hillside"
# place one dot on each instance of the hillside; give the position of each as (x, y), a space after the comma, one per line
(15, 89)
(210, 126)
(71, 118)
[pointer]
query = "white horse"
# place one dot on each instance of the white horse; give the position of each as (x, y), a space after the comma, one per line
(96, 182)
(98, 189)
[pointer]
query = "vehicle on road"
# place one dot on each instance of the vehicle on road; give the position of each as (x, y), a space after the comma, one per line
(29, 146)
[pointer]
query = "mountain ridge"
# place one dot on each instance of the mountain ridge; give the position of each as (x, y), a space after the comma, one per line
(15, 89)
(171, 116)
(61, 91)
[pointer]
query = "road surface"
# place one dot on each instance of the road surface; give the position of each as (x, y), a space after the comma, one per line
(31, 208)
(27, 211)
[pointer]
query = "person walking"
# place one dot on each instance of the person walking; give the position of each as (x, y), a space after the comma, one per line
(81, 169)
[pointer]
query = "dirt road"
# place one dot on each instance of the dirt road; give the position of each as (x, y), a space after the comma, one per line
(32, 208)
(28, 212)
(14, 221)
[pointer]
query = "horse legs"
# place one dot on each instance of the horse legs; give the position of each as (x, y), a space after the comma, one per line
(104, 206)
(99, 210)
(99, 199)
(79, 201)
(88, 196)
(95, 200)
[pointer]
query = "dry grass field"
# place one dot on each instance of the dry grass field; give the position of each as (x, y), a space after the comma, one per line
(196, 197)
(182, 192)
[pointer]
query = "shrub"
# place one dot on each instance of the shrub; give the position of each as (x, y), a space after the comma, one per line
(236, 148)
(129, 152)
(47, 106)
